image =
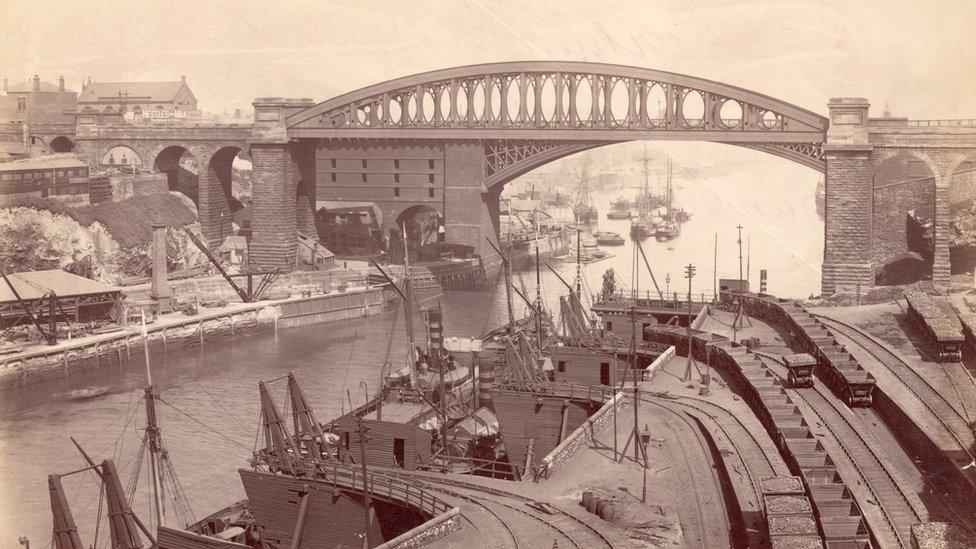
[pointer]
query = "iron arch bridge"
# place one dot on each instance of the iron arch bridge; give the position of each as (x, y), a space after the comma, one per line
(530, 113)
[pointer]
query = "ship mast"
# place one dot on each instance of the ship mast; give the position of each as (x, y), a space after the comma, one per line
(161, 468)
(153, 439)
(408, 304)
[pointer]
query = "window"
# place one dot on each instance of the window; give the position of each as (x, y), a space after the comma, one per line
(430, 192)
(333, 163)
(561, 366)
(609, 326)
(364, 163)
(396, 164)
(430, 163)
(137, 110)
(364, 177)
(21, 103)
(6, 177)
(333, 177)
(430, 178)
(16, 177)
(396, 178)
(396, 191)
(61, 173)
(345, 440)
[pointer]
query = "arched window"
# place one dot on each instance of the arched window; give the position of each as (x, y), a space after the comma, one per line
(108, 108)
(137, 110)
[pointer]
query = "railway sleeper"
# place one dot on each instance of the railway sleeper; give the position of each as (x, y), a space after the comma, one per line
(805, 445)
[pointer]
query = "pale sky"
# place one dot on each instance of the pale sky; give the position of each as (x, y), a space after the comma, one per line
(919, 56)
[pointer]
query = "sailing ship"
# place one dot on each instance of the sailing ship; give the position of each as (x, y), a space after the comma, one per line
(584, 211)
(646, 200)
(670, 226)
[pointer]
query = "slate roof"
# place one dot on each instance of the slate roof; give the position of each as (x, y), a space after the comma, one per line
(161, 92)
(43, 163)
(28, 86)
(35, 284)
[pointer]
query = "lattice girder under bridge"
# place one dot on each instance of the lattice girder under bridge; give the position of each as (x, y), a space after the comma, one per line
(564, 101)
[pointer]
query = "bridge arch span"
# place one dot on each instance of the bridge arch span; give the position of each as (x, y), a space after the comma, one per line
(566, 101)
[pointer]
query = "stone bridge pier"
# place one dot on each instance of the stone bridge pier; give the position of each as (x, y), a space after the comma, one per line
(878, 170)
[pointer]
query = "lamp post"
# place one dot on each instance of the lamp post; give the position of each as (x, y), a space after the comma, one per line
(689, 274)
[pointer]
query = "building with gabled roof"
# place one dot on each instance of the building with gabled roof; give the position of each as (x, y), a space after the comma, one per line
(138, 100)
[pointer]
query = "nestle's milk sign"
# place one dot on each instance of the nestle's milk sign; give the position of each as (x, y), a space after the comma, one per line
(159, 115)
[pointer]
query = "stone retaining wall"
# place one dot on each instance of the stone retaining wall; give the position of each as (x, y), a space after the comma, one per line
(89, 353)
(582, 436)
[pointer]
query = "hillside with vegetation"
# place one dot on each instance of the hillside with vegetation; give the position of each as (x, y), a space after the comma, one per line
(107, 242)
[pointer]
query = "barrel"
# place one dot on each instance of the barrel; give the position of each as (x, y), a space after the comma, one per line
(486, 377)
(592, 504)
(608, 511)
(587, 496)
(599, 507)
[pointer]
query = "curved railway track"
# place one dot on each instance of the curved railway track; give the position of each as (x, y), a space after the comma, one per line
(754, 458)
(575, 531)
(888, 495)
(931, 400)
(705, 537)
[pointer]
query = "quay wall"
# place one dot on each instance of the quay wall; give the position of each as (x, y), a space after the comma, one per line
(427, 533)
(174, 332)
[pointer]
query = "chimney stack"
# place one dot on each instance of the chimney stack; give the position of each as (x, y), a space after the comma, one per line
(61, 84)
(183, 78)
(159, 289)
(37, 83)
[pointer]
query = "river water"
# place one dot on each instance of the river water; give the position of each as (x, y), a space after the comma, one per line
(210, 417)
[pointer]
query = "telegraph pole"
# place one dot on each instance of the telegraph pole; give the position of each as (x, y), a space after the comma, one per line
(740, 255)
(715, 270)
(689, 274)
(367, 505)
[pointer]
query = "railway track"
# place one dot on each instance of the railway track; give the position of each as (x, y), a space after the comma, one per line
(705, 536)
(895, 503)
(938, 407)
(576, 532)
(753, 457)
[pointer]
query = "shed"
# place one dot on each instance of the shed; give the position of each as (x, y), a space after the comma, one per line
(388, 444)
(587, 366)
(79, 299)
(733, 285)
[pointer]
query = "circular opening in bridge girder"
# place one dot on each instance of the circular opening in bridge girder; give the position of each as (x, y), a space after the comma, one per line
(731, 113)
(565, 101)
(445, 103)
(619, 101)
(656, 103)
(62, 144)
(903, 220)
(428, 105)
(495, 105)
(461, 106)
(121, 156)
(476, 98)
(547, 99)
(529, 85)
(411, 112)
(769, 120)
(693, 107)
(584, 100)
(513, 100)
(396, 112)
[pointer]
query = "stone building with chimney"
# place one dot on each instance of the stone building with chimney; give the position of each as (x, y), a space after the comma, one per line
(36, 118)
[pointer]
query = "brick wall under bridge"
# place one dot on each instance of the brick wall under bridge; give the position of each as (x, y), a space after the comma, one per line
(877, 171)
